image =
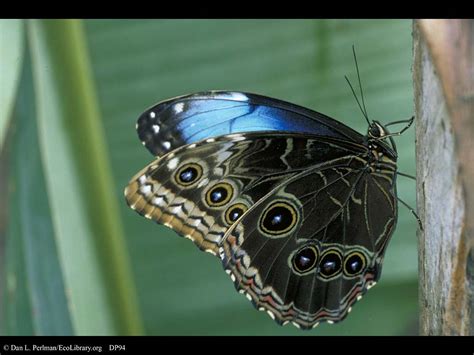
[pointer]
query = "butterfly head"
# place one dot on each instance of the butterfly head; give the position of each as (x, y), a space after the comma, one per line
(376, 130)
(377, 134)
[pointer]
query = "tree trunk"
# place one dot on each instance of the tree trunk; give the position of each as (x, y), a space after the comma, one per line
(443, 74)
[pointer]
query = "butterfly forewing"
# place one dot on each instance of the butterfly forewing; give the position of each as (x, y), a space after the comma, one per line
(192, 118)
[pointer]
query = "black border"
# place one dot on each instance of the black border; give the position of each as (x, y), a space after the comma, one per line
(241, 10)
(243, 345)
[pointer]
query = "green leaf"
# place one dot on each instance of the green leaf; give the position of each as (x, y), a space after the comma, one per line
(137, 63)
(31, 232)
(84, 211)
(11, 55)
(17, 308)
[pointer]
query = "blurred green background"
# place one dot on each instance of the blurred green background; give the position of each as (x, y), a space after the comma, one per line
(119, 68)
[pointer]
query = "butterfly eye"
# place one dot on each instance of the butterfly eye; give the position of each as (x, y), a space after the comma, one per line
(305, 259)
(219, 194)
(279, 218)
(354, 264)
(330, 264)
(188, 174)
(234, 212)
(376, 130)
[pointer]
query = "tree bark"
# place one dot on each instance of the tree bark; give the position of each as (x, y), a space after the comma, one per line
(443, 74)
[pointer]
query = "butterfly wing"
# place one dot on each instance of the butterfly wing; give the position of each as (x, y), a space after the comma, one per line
(314, 245)
(201, 189)
(192, 118)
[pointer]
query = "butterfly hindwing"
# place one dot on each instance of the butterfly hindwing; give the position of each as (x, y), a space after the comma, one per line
(188, 119)
(201, 189)
(313, 246)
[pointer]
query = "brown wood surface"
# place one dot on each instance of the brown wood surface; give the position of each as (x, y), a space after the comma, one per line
(443, 73)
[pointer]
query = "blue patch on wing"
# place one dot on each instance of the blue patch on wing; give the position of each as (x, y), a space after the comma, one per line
(191, 118)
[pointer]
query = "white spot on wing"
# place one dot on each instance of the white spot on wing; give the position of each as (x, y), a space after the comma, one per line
(191, 146)
(210, 140)
(237, 96)
(173, 163)
(166, 145)
(370, 285)
(177, 209)
(236, 137)
(196, 222)
(145, 189)
(178, 108)
(152, 114)
(210, 251)
(272, 316)
(155, 128)
(157, 201)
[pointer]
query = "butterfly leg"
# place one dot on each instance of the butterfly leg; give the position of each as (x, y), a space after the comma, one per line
(409, 123)
(406, 175)
(412, 211)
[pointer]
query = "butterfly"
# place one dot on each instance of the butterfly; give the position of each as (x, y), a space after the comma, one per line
(298, 206)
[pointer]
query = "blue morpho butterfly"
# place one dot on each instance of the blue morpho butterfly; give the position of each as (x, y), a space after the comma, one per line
(298, 206)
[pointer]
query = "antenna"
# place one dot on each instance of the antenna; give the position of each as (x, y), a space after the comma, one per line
(360, 83)
(357, 100)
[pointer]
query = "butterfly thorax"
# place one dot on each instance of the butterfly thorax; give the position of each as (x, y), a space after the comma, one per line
(380, 153)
